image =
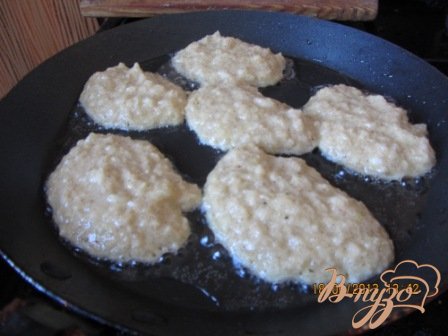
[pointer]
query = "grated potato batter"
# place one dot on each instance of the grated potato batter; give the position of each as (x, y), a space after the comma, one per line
(284, 222)
(120, 199)
(369, 135)
(131, 99)
(216, 59)
(229, 116)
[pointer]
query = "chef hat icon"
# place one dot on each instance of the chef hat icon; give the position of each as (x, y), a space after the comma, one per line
(426, 276)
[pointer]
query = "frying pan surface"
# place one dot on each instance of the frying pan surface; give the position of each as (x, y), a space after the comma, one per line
(200, 291)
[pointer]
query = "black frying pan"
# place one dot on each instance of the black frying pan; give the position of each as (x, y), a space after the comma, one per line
(199, 291)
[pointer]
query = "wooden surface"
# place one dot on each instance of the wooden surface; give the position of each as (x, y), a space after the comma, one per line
(354, 10)
(33, 30)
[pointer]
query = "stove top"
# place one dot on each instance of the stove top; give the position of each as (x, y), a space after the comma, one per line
(417, 25)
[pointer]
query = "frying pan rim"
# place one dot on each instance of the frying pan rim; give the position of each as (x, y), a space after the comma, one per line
(112, 32)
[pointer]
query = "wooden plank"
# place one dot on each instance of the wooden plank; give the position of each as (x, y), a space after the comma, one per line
(33, 30)
(353, 10)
